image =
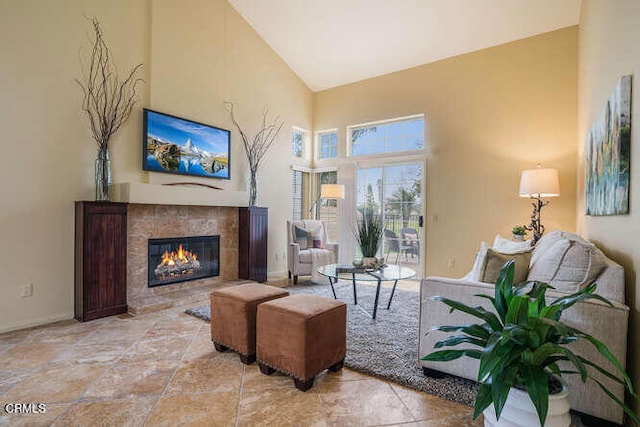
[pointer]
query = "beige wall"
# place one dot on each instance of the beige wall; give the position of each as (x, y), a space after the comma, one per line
(608, 50)
(489, 114)
(196, 53)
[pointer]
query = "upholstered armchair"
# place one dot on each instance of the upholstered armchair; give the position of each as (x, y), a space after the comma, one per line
(300, 252)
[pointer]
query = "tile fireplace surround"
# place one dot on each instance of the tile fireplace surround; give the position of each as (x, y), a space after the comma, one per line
(148, 221)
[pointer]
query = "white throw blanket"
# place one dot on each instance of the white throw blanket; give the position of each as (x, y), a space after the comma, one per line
(320, 257)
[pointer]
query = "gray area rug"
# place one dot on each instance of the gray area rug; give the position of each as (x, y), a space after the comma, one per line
(386, 347)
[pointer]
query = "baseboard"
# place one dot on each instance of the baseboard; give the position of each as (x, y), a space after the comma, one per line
(36, 322)
(277, 274)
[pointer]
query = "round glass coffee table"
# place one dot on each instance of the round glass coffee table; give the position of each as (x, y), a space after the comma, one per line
(390, 273)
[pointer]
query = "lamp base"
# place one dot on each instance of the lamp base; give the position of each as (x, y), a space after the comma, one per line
(536, 226)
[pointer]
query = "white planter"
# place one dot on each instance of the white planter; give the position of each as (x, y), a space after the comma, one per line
(520, 412)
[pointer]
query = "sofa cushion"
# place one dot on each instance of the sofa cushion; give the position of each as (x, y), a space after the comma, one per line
(494, 261)
(568, 265)
(306, 256)
(508, 246)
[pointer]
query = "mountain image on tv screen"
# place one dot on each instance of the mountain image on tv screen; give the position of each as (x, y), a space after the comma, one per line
(181, 146)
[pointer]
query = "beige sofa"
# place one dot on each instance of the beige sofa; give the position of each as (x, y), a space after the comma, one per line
(605, 323)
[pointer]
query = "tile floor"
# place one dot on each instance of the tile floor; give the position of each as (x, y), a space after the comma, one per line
(161, 369)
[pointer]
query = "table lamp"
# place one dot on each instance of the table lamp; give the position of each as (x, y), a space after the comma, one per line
(536, 184)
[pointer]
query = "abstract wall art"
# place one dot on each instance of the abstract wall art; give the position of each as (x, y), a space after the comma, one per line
(607, 161)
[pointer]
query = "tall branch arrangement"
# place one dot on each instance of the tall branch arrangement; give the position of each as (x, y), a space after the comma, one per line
(256, 148)
(107, 100)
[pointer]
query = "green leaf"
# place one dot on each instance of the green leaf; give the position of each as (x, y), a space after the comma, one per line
(475, 311)
(498, 357)
(604, 350)
(602, 371)
(483, 400)
(504, 289)
(517, 311)
(500, 389)
(624, 407)
(537, 385)
(459, 339)
(543, 353)
(477, 331)
(448, 355)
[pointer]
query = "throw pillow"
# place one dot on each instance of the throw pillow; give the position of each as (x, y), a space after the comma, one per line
(508, 246)
(316, 234)
(549, 257)
(495, 260)
(545, 243)
(581, 264)
(301, 237)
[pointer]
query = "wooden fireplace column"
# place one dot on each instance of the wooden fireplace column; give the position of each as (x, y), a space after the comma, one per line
(100, 260)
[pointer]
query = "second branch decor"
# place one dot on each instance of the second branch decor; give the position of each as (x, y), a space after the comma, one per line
(108, 102)
(256, 148)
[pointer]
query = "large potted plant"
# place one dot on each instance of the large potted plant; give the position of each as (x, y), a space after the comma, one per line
(368, 234)
(519, 344)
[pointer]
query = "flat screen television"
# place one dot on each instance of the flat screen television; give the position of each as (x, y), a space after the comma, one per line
(180, 146)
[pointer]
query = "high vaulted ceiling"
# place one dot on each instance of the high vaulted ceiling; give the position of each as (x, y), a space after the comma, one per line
(333, 42)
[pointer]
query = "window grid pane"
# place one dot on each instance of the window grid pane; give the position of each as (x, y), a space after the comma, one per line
(391, 137)
(328, 145)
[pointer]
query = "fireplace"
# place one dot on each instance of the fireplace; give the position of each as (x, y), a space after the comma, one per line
(182, 259)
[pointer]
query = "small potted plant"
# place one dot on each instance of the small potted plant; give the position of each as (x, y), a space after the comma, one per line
(368, 234)
(518, 232)
(519, 348)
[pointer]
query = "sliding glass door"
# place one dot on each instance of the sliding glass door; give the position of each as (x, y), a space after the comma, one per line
(395, 192)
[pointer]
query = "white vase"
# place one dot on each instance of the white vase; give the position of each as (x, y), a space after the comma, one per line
(519, 411)
(518, 237)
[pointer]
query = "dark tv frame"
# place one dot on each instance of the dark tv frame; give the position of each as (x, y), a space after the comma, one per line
(145, 166)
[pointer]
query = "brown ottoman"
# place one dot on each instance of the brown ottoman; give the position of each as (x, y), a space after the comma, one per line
(301, 335)
(233, 317)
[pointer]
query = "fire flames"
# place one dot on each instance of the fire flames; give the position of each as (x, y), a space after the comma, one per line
(174, 263)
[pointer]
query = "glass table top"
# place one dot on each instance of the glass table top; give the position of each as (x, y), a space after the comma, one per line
(390, 272)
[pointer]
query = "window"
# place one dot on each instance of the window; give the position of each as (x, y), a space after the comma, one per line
(387, 137)
(299, 142)
(300, 195)
(328, 144)
(328, 209)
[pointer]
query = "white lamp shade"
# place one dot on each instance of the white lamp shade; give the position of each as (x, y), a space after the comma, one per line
(539, 183)
(332, 191)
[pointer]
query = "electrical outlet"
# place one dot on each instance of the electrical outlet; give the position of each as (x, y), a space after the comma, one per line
(451, 263)
(26, 290)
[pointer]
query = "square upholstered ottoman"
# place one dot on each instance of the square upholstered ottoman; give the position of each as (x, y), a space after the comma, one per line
(301, 335)
(233, 317)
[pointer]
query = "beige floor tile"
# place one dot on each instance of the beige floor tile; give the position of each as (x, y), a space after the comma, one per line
(10, 378)
(130, 379)
(55, 384)
(30, 355)
(202, 346)
(254, 380)
(91, 354)
(51, 412)
(281, 407)
(207, 376)
(207, 409)
(424, 406)
(158, 348)
(369, 402)
(129, 412)
(344, 374)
